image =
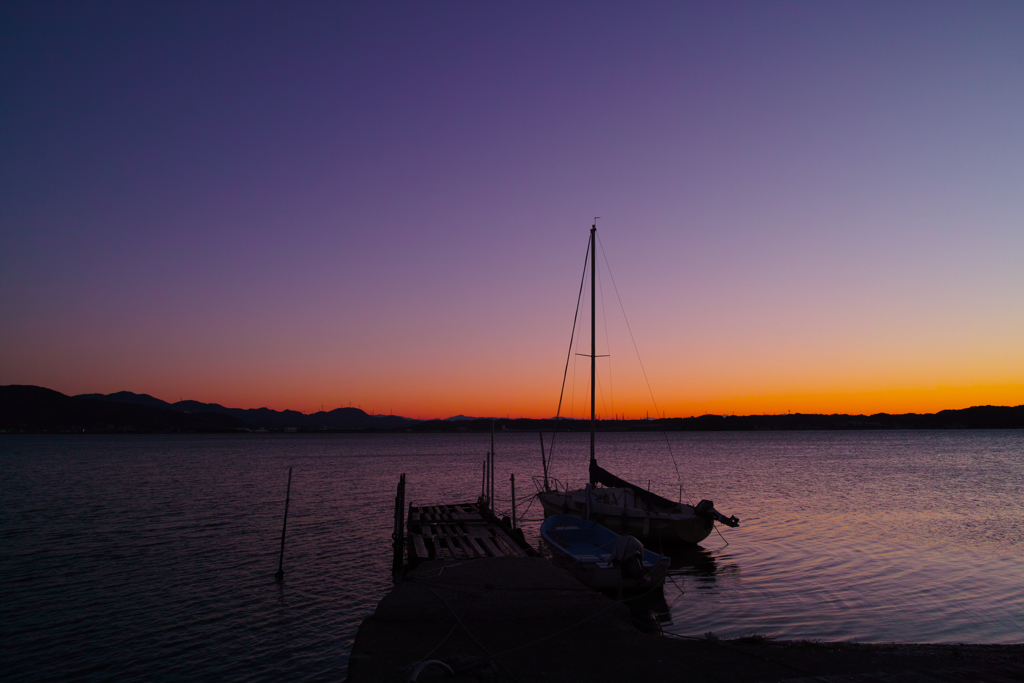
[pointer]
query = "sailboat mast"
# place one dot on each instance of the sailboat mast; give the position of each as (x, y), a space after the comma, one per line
(593, 332)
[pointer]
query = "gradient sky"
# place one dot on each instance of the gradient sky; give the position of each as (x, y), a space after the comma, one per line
(815, 207)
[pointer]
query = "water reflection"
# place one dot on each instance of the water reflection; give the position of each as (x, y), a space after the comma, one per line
(846, 535)
(650, 610)
(693, 561)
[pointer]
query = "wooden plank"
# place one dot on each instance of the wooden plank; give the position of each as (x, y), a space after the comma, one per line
(474, 548)
(446, 543)
(418, 547)
(469, 518)
(463, 541)
(428, 538)
(503, 546)
(477, 546)
(461, 544)
(500, 534)
(457, 531)
(485, 539)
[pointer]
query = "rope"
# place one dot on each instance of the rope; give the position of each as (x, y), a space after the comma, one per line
(608, 345)
(454, 626)
(470, 633)
(657, 411)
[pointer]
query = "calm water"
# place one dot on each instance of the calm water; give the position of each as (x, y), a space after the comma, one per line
(152, 558)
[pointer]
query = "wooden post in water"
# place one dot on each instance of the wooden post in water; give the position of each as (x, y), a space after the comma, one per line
(543, 461)
(483, 482)
(513, 500)
(398, 535)
(492, 465)
(487, 480)
(279, 576)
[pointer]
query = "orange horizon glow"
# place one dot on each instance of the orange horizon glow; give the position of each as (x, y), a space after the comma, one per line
(396, 218)
(892, 401)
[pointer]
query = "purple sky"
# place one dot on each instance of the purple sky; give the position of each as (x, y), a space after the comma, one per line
(807, 206)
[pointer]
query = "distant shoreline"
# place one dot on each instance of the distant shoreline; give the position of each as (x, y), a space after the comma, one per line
(28, 409)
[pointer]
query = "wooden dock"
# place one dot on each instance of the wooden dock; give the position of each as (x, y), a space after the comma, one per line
(460, 531)
(474, 603)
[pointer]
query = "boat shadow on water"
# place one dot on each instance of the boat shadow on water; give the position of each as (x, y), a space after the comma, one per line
(651, 611)
(698, 566)
(692, 561)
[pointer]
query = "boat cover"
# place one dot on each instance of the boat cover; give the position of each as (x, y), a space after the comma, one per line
(599, 475)
(626, 547)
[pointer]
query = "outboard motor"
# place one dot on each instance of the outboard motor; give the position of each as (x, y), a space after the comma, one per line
(706, 509)
(628, 555)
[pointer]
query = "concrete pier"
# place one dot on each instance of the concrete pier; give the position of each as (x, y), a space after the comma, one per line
(523, 619)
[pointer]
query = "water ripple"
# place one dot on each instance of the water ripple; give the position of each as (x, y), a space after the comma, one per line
(151, 558)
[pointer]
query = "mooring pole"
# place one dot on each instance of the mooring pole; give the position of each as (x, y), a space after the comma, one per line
(279, 576)
(483, 482)
(513, 500)
(543, 461)
(492, 465)
(398, 535)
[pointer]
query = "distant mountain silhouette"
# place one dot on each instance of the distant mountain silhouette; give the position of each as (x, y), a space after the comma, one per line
(35, 409)
(30, 408)
(977, 417)
(265, 418)
(129, 397)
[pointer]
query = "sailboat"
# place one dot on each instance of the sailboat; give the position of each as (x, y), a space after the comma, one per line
(617, 504)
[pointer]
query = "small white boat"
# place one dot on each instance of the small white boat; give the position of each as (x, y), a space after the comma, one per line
(600, 558)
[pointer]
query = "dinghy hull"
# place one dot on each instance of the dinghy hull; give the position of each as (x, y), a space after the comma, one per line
(586, 549)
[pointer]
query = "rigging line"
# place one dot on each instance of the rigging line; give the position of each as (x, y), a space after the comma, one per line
(657, 411)
(565, 374)
(572, 395)
(624, 317)
(608, 346)
(607, 342)
(576, 364)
